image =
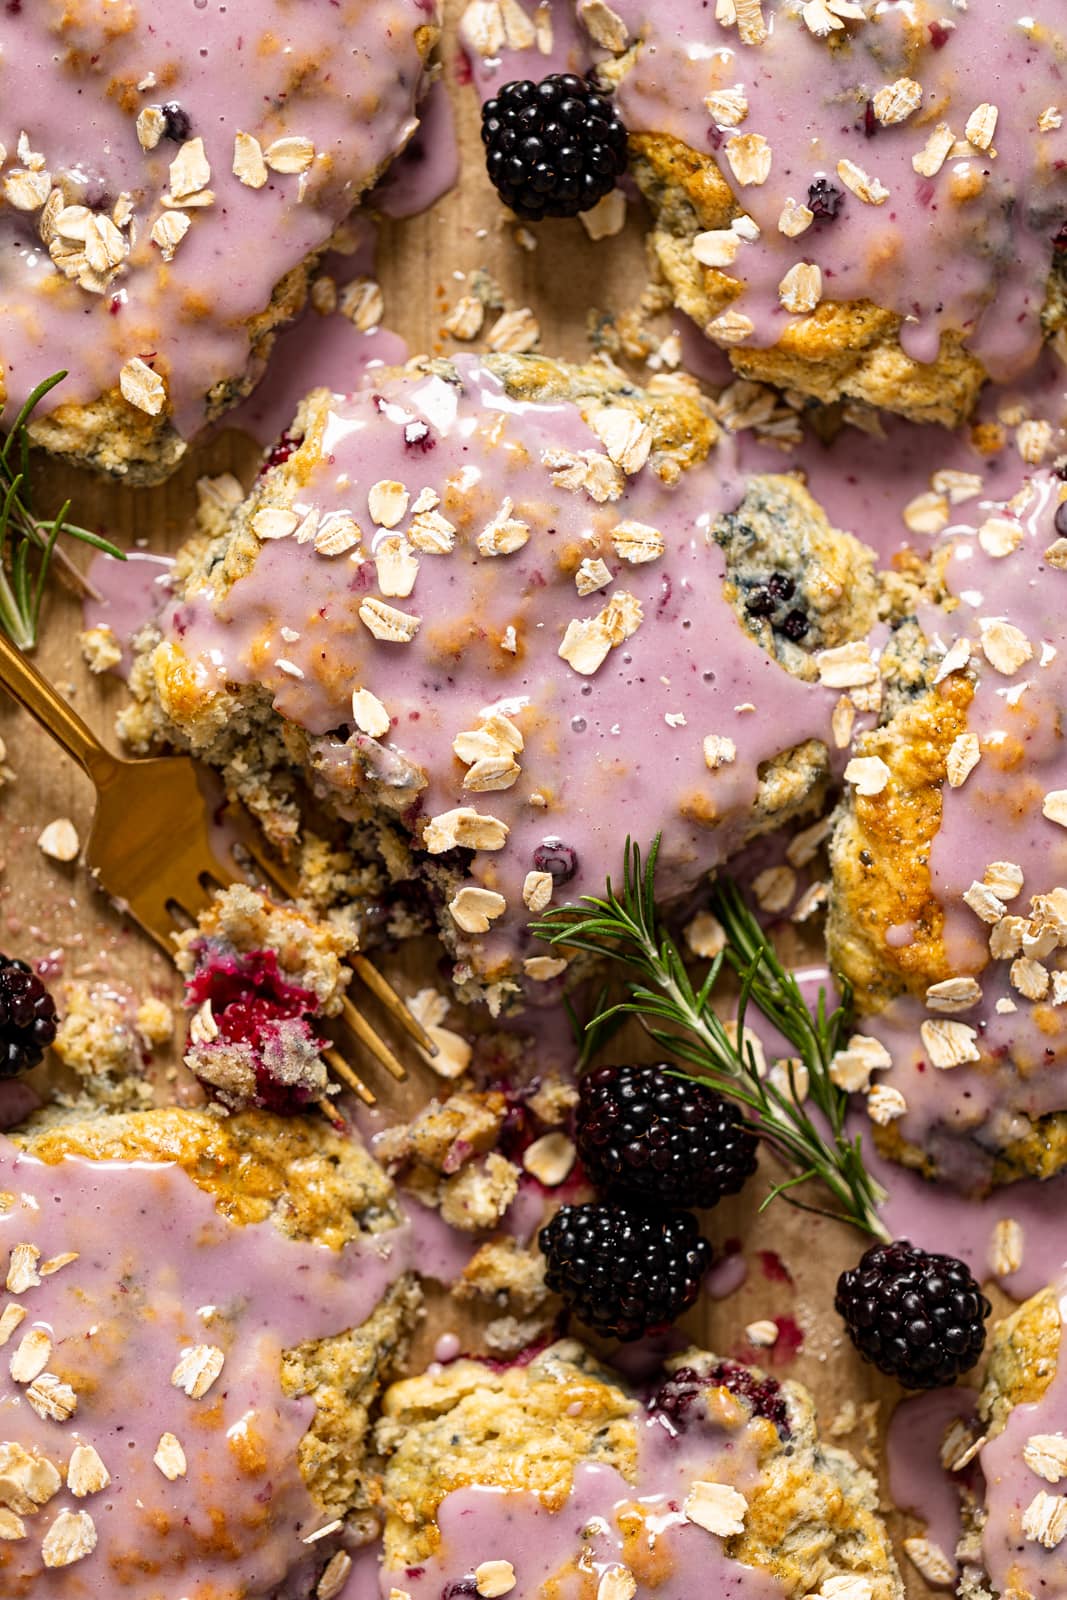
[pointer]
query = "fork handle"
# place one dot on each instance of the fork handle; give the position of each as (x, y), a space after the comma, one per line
(43, 702)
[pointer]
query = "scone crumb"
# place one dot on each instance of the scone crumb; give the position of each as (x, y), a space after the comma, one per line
(494, 1578)
(718, 1507)
(100, 648)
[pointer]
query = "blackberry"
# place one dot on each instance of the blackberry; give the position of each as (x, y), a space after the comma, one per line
(917, 1316)
(624, 1270)
(176, 122)
(554, 148)
(642, 1132)
(676, 1395)
(27, 1018)
(559, 860)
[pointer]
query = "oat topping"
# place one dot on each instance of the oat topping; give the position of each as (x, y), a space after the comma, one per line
(369, 714)
(86, 1472)
(948, 1044)
(617, 1583)
(387, 501)
(71, 1538)
(142, 387)
(1006, 1247)
(22, 1271)
(931, 158)
(718, 1507)
(197, 1368)
(1045, 1519)
(31, 1357)
(801, 288)
(867, 774)
(885, 1104)
(387, 623)
(473, 909)
(953, 994)
(862, 185)
(50, 1397)
(931, 1562)
(1046, 1454)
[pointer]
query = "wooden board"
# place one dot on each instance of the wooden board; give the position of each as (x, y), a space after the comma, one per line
(52, 913)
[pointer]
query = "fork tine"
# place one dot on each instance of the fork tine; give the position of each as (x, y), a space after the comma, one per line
(373, 1041)
(340, 1068)
(383, 991)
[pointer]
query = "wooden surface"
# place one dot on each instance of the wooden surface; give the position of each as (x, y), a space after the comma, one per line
(52, 913)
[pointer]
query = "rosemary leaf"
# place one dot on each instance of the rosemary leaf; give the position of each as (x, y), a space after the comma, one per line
(625, 928)
(28, 542)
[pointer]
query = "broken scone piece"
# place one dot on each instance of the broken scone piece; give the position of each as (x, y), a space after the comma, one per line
(554, 1468)
(1015, 1538)
(411, 609)
(168, 188)
(949, 906)
(199, 1314)
(259, 977)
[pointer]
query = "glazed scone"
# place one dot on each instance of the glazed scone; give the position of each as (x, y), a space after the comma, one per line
(200, 1314)
(717, 1483)
(949, 907)
(1013, 1547)
(499, 615)
(169, 178)
(855, 202)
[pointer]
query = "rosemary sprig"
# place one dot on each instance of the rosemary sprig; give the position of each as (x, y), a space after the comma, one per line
(28, 542)
(626, 928)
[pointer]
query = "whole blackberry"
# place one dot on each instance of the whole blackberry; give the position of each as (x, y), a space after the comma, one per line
(624, 1270)
(27, 1018)
(916, 1316)
(642, 1132)
(552, 148)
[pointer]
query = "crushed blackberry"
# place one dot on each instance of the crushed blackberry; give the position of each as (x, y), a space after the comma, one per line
(254, 1007)
(27, 1018)
(676, 1394)
(916, 1316)
(824, 200)
(640, 1131)
(554, 148)
(176, 122)
(281, 450)
(559, 860)
(462, 1586)
(622, 1269)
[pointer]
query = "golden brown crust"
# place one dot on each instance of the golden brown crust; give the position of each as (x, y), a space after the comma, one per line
(1023, 1353)
(880, 854)
(842, 351)
(296, 1173)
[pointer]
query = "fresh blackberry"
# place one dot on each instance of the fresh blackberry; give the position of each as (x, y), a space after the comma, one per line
(643, 1132)
(552, 148)
(27, 1018)
(916, 1316)
(624, 1270)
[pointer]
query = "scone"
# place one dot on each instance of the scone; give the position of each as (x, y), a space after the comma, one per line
(1016, 1523)
(169, 177)
(500, 615)
(855, 202)
(199, 1314)
(949, 908)
(716, 1483)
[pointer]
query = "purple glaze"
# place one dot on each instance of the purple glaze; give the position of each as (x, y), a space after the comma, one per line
(939, 255)
(673, 1557)
(160, 1269)
(600, 758)
(1018, 1564)
(917, 1481)
(123, 595)
(345, 76)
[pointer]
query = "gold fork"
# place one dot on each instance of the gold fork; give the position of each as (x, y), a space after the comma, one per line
(149, 848)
